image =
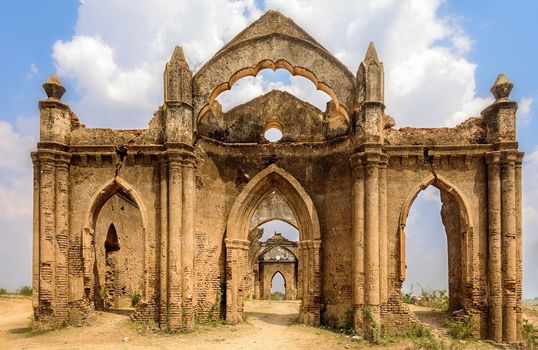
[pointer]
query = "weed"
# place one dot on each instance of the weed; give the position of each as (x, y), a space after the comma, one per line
(461, 328)
(432, 343)
(135, 298)
(529, 334)
(348, 321)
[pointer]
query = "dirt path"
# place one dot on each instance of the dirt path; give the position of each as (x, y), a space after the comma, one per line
(270, 325)
(431, 318)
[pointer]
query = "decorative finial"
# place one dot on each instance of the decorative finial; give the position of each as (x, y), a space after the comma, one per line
(371, 54)
(502, 88)
(178, 57)
(54, 88)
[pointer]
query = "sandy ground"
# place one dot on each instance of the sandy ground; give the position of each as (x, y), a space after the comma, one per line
(269, 325)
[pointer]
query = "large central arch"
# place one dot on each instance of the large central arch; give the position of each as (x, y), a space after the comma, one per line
(263, 184)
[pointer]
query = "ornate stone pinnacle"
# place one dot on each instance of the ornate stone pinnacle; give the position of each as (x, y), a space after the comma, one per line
(371, 54)
(54, 88)
(502, 88)
(178, 57)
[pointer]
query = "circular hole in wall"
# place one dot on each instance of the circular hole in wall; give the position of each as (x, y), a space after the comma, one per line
(273, 135)
(273, 131)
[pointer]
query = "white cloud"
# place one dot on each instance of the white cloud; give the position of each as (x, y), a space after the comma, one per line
(247, 88)
(118, 53)
(524, 112)
(16, 205)
(32, 72)
(117, 56)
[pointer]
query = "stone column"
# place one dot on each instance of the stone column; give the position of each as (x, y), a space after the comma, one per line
(47, 208)
(358, 240)
(316, 283)
(383, 238)
(164, 237)
(236, 267)
(187, 259)
(175, 209)
(509, 260)
(519, 236)
(35, 236)
(61, 243)
(494, 243)
(371, 234)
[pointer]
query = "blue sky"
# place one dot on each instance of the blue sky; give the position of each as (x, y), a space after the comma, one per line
(478, 40)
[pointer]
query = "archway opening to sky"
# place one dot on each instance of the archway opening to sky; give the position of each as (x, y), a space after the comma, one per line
(278, 286)
(426, 252)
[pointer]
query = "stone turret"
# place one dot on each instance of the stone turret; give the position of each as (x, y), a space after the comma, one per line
(178, 99)
(501, 115)
(55, 116)
(370, 97)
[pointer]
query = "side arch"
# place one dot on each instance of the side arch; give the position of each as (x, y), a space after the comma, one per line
(466, 226)
(273, 178)
(102, 195)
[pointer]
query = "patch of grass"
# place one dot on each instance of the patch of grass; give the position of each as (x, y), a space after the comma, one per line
(529, 333)
(461, 328)
(432, 343)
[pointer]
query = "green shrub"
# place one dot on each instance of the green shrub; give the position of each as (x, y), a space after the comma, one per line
(135, 299)
(3, 291)
(529, 334)
(461, 328)
(25, 290)
(277, 296)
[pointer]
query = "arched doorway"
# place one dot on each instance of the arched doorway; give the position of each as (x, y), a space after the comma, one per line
(278, 286)
(456, 221)
(114, 248)
(273, 179)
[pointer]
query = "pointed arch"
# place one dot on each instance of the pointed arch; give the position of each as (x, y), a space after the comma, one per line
(269, 179)
(441, 183)
(283, 278)
(273, 178)
(103, 194)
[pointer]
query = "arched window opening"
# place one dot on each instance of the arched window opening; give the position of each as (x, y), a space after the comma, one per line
(249, 87)
(278, 287)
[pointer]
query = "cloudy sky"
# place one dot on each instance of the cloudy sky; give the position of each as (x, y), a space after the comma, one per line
(441, 58)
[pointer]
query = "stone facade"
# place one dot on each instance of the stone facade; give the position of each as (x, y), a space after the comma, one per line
(194, 178)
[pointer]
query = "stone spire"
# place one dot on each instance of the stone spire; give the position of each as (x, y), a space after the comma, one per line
(502, 88)
(370, 77)
(178, 79)
(54, 88)
(371, 54)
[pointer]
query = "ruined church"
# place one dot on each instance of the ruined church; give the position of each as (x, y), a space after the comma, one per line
(172, 213)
